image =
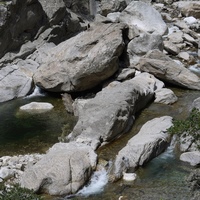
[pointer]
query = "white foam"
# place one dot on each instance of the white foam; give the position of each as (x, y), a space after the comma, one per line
(37, 92)
(96, 185)
(169, 151)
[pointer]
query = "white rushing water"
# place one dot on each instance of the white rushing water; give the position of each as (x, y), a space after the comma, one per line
(96, 185)
(169, 151)
(37, 92)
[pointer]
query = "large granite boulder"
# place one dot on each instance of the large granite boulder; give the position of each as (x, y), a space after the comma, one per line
(151, 140)
(63, 170)
(83, 61)
(111, 112)
(144, 16)
(166, 69)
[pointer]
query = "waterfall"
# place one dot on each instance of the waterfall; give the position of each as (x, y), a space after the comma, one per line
(93, 7)
(169, 151)
(96, 185)
(37, 92)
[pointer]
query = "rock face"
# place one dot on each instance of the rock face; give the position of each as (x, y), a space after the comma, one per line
(111, 112)
(164, 68)
(19, 22)
(63, 170)
(145, 17)
(83, 61)
(142, 44)
(151, 140)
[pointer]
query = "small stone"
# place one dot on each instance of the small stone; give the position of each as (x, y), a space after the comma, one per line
(165, 96)
(126, 74)
(6, 173)
(171, 48)
(190, 20)
(176, 37)
(184, 55)
(129, 176)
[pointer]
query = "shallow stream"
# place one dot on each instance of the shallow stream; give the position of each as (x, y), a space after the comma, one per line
(161, 179)
(23, 133)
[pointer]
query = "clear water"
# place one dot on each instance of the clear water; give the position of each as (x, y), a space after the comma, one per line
(164, 178)
(161, 179)
(22, 133)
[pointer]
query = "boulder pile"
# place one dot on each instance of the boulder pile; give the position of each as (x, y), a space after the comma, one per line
(124, 51)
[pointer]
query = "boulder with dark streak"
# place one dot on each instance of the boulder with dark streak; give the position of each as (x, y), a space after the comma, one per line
(111, 112)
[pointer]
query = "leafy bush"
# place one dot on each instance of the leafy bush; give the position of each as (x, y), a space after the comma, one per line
(17, 193)
(190, 126)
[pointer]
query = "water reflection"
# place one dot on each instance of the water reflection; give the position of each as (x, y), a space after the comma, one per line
(22, 133)
(162, 178)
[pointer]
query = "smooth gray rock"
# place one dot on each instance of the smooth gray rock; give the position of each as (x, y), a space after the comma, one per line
(191, 157)
(37, 107)
(151, 140)
(6, 173)
(171, 48)
(14, 82)
(165, 96)
(145, 17)
(141, 44)
(166, 69)
(111, 112)
(83, 61)
(176, 37)
(63, 170)
(184, 56)
(114, 17)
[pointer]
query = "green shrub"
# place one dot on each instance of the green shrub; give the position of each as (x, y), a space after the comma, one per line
(17, 193)
(190, 126)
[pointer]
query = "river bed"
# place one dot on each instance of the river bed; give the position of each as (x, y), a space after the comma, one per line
(161, 179)
(23, 133)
